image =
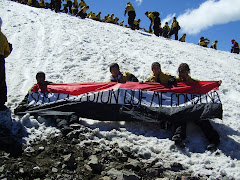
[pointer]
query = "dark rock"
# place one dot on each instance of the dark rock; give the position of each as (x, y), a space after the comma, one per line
(94, 164)
(133, 164)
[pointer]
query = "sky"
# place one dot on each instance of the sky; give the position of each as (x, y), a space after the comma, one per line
(69, 49)
(215, 20)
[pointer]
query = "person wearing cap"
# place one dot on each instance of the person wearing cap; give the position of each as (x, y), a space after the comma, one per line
(118, 76)
(235, 47)
(5, 50)
(131, 15)
(203, 42)
(214, 45)
(159, 76)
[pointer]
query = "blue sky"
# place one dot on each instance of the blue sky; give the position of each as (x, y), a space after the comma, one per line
(213, 19)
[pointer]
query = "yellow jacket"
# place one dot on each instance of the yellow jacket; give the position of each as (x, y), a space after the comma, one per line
(188, 79)
(126, 76)
(109, 19)
(135, 22)
(214, 45)
(204, 42)
(41, 3)
(182, 39)
(76, 3)
(163, 77)
(151, 17)
(82, 3)
(166, 27)
(4, 46)
(174, 24)
(83, 9)
(128, 8)
(98, 16)
(29, 2)
(92, 16)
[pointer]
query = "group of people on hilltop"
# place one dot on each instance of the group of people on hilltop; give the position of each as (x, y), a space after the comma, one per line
(204, 42)
(80, 10)
(166, 31)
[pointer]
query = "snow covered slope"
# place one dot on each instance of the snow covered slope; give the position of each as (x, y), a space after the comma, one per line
(69, 49)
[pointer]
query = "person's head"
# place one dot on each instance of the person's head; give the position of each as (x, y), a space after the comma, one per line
(166, 23)
(184, 35)
(87, 7)
(183, 70)
(174, 18)
(156, 68)
(147, 13)
(216, 41)
(202, 38)
(233, 40)
(139, 20)
(40, 77)
(114, 69)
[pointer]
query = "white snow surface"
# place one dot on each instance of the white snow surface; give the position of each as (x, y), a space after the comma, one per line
(69, 49)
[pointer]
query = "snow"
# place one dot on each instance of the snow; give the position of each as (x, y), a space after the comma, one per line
(69, 49)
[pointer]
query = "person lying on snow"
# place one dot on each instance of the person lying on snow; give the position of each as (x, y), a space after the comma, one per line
(159, 76)
(118, 76)
(41, 86)
(179, 127)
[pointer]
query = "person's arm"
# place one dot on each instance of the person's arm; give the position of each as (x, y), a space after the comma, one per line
(133, 78)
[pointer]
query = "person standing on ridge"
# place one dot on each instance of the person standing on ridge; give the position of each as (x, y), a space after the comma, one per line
(131, 15)
(5, 50)
(174, 28)
(156, 24)
(235, 47)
